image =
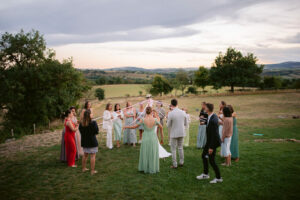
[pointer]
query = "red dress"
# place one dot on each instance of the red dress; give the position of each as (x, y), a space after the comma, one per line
(70, 144)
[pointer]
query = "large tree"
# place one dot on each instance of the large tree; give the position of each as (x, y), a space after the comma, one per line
(201, 77)
(234, 69)
(35, 87)
(160, 85)
(182, 79)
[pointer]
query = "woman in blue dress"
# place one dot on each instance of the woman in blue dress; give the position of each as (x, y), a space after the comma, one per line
(129, 134)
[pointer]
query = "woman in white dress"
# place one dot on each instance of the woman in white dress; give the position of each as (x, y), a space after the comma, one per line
(108, 124)
(187, 129)
(162, 152)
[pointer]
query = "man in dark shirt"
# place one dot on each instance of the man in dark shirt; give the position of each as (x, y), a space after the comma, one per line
(212, 143)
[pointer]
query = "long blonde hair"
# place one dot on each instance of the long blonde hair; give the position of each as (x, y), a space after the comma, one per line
(86, 118)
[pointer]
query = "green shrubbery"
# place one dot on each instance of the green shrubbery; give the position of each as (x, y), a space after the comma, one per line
(99, 93)
(34, 86)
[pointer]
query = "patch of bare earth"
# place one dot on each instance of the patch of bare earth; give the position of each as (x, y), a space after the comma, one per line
(277, 140)
(29, 143)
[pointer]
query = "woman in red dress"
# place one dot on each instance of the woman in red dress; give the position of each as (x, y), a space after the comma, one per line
(70, 129)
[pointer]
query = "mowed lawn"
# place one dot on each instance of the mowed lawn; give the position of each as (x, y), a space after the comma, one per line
(267, 170)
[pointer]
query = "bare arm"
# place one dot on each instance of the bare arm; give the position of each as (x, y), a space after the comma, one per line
(71, 126)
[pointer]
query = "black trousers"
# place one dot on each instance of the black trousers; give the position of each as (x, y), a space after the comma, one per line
(211, 158)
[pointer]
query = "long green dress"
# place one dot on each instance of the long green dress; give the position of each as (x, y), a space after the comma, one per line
(149, 152)
(234, 146)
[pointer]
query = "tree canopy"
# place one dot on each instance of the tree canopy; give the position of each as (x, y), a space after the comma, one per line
(160, 85)
(35, 87)
(201, 77)
(234, 69)
(182, 80)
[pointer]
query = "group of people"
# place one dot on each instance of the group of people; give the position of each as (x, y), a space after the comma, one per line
(112, 122)
(79, 138)
(214, 131)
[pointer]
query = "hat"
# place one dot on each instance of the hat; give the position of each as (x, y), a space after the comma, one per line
(148, 96)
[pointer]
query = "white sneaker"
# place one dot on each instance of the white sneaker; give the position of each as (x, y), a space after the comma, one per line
(202, 176)
(216, 180)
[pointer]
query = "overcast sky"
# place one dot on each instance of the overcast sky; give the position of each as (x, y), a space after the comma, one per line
(158, 33)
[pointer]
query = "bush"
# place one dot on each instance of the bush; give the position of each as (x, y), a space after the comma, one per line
(99, 93)
(271, 82)
(192, 90)
(34, 86)
(140, 93)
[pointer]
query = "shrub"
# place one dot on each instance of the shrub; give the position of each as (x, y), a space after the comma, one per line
(99, 93)
(192, 90)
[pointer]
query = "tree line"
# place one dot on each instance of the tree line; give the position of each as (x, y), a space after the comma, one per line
(231, 69)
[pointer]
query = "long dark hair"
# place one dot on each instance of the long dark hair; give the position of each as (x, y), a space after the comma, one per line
(116, 107)
(107, 106)
(230, 108)
(86, 104)
(86, 118)
(65, 114)
(227, 112)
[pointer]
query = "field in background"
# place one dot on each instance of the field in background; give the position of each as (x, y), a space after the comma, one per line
(260, 106)
(129, 90)
(268, 169)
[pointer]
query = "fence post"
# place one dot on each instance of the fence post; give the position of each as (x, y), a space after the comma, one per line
(33, 128)
(12, 132)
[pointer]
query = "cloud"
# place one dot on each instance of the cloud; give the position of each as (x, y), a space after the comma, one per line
(78, 21)
(292, 39)
(142, 34)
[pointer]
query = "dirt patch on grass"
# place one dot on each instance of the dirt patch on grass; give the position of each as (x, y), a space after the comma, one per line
(30, 143)
(277, 140)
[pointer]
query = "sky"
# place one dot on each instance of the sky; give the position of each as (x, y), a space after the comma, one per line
(158, 33)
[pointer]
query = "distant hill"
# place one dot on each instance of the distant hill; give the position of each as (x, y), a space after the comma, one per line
(284, 65)
(155, 70)
(289, 70)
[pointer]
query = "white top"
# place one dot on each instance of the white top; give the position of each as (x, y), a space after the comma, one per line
(209, 116)
(115, 115)
(107, 121)
(188, 118)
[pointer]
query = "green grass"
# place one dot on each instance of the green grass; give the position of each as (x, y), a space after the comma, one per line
(123, 90)
(266, 170)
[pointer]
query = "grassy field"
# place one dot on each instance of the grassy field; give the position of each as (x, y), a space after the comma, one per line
(267, 169)
(125, 90)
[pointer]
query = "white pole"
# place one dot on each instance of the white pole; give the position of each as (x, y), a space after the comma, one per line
(33, 128)
(12, 132)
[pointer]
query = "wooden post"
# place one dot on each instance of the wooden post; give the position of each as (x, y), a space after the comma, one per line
(49, 124)
(33, 128)
(12, 132)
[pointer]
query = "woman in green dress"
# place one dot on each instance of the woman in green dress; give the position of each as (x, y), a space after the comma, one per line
(234, 146)
(117, 123)
(149, 152)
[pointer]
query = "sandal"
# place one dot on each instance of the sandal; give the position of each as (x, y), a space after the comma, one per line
(86, 169)
(94, 172)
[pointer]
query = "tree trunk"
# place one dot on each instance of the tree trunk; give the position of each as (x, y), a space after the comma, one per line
(232, 88)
